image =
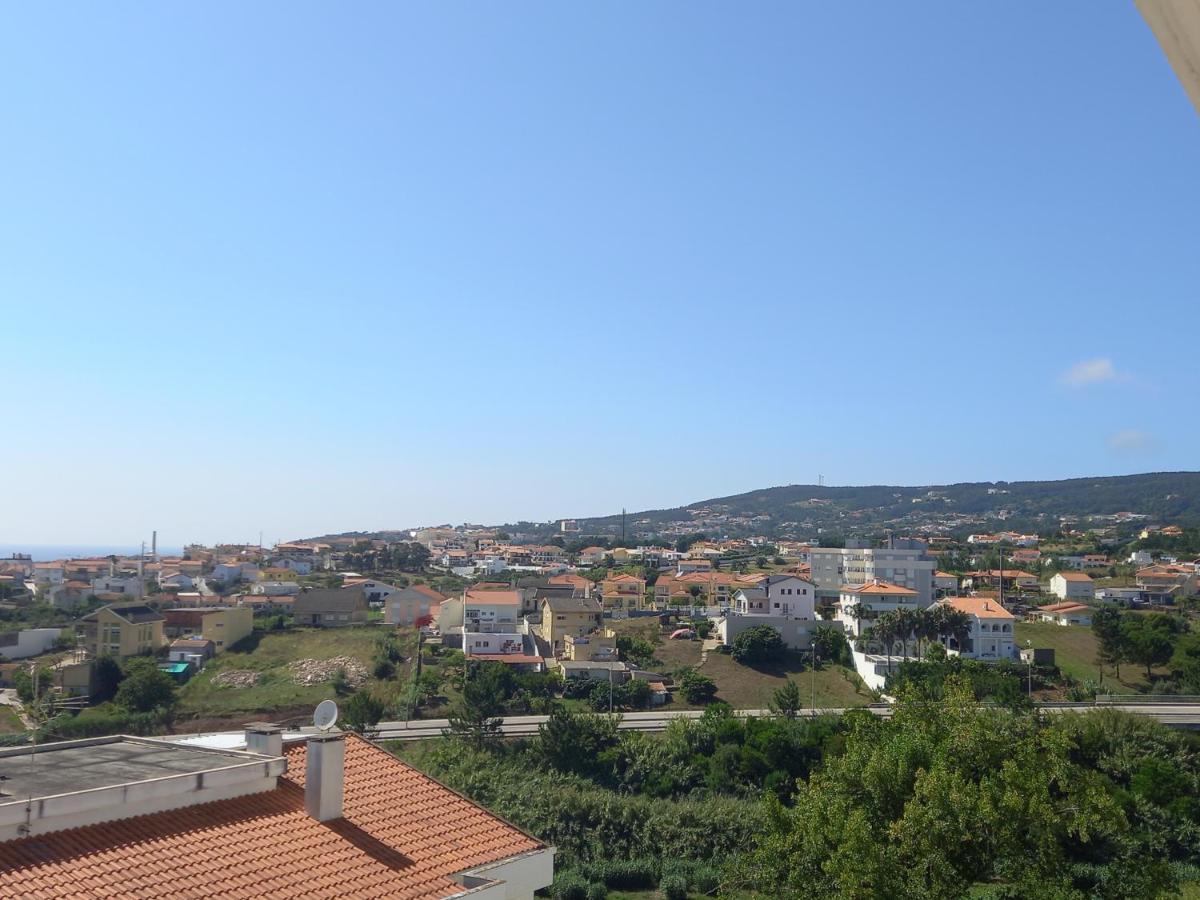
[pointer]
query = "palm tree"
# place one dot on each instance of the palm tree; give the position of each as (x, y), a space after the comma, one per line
(885, 631)
(906, 626)
(925, 628)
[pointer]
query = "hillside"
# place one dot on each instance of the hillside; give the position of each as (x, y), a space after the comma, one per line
(800, 509)
(804, 510)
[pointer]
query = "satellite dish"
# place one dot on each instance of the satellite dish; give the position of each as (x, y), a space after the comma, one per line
(326, 714)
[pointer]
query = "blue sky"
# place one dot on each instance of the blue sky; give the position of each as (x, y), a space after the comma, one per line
(300, 267)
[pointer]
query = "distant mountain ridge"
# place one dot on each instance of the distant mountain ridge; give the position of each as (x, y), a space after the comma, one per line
(1167, 496)
(803, 509)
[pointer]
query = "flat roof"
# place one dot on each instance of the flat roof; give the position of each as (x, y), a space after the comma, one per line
(86, 765)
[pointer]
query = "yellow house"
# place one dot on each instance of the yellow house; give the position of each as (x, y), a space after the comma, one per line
(123, 630)
(223, 625)
(577, 616)
(623, 592)
(588, 648)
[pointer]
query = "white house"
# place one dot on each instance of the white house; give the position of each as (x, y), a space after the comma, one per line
(1072, 586)
(785, 602)
(1066, 613)
(874, 598)
(991, 629)
(130, 585)
(179, 580)
(276, 588)
(1140, 558)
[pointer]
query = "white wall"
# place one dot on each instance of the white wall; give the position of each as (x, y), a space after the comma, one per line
(31, 642)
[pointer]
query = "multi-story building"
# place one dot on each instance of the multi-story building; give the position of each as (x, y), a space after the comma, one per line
(621, 593)
(123, 630)
(860, 604)
(904, 564)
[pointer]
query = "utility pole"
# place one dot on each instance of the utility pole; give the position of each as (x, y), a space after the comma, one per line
(1000, 547)
(814, 677)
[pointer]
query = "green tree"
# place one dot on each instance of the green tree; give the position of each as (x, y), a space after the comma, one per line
(1185, 663)
(577, 742)
(475, 717)
(786, 700)
(1149, 640)
(362, 712)
(758, 645)
(696, 688)
(145, 687)
(1110, 639)
(944, 797)
(106, 678)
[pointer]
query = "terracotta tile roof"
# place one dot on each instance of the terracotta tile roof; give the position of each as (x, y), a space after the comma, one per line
(1075, 576)
(878, 587)
(1068, 606)
(980, 607)
(403, 834)
(493, 598)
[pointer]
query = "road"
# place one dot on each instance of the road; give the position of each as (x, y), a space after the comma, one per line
(1175, 715)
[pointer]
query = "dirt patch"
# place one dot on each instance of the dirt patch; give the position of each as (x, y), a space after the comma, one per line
(320, 671)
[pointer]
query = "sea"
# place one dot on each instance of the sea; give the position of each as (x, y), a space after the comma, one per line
(47, 552)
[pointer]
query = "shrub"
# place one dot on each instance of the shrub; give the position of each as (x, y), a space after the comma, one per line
(569, 885)
(596, 891)
(760, 644)
(697, 688)
(673, 887)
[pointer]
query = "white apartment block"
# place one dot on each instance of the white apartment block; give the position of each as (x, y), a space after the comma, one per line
(833, 567)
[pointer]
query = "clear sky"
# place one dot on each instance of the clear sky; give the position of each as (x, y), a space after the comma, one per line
(305, 267)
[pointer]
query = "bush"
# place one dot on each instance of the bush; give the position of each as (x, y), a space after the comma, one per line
(596, 891)
(760, 644)
(673, 887)
(697, 688)
(569, 885)
(384, 669)
(635, 874)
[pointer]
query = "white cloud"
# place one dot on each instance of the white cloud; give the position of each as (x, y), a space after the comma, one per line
(1130, 440)
(1092, 371)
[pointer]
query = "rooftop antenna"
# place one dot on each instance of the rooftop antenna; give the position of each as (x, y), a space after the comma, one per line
(820, 481)
(325, 716)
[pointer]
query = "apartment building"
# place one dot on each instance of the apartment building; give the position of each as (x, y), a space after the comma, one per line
(904, 563)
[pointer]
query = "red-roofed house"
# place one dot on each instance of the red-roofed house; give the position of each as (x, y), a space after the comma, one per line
(334, 816)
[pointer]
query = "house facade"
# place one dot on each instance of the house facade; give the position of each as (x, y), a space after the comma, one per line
(1072, 586)
(123, 630)
(330, 608)
(991, 631)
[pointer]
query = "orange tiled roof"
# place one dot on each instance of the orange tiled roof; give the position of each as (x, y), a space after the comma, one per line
(402, 835)
(980, 607)
(878, 587)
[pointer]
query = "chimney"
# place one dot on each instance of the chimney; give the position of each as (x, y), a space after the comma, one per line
(264, 738)
(324, 775)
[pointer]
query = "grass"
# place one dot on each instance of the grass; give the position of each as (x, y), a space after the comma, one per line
(1075, 654)
(276, 693)
(741, 686)
(10, 722)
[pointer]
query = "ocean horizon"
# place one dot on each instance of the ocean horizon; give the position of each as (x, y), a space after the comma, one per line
(47, 552)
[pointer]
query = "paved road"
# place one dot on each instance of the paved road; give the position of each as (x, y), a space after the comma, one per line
(1176, 715)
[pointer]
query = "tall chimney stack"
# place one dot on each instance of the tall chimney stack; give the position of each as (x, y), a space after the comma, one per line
(324, 775)
(154, 545)
(264, 738)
